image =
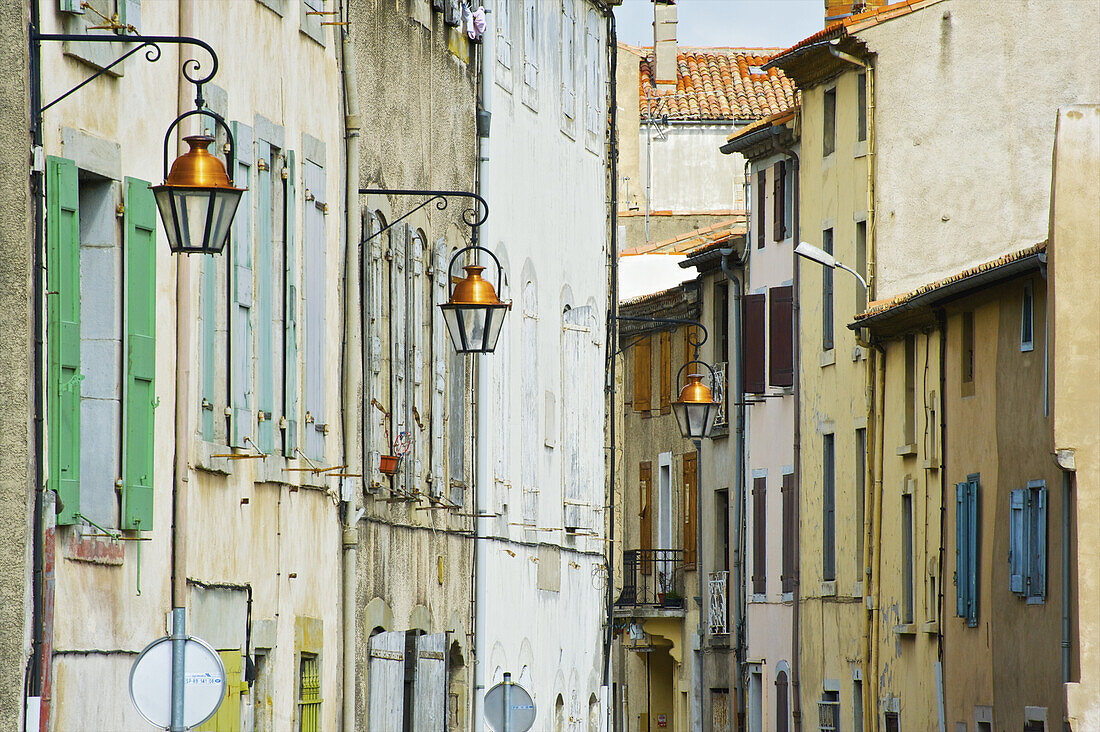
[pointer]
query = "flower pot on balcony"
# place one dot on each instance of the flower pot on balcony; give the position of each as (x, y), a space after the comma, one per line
(389, 464)
(671, 599)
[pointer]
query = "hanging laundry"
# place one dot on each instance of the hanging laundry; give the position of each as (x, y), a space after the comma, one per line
(473, 21)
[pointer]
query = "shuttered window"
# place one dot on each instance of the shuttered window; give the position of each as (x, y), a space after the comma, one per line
(582, 376)
(827, 294)
(690, 496)
(666, 372)
(642, 369)
(790, 535)
(386, 682)
(752, 354)
(828, 509)
(828, 141)
(781, 336)
(594, 64)
(263, 194)
(645, 513)
(779, 201)
(759, 535)
(240, 325)
(430, 683)
(314, 255)
(529, 415)
(1027, 556)
(781, 702)
(440, 351)
(504, 34)
(761, 203)
(967, 549)
(530, 51)
(568, 59)
(290, 305)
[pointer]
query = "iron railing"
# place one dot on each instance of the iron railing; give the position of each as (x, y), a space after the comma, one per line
(653, 577)
(719, 615)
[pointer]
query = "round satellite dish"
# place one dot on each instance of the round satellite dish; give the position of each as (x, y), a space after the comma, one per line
(521, 705)
(203, 682)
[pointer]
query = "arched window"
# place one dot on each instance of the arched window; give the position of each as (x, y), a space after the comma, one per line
(568, 59)
(781, 702)
(529, 397)
(594, 97)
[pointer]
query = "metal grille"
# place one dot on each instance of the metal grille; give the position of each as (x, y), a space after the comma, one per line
(309, 695)
(828, 713)
(719, 584)
(718, 391)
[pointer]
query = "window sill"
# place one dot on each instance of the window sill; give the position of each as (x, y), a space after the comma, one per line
(1036, 600)
(932, 627)
(827, 358)
(859, 149)
(930, 464)
(906, 629)
(909, 450)
(828, 588)
(788, 597)
(758, 598)
(94, 550)
(857, 590)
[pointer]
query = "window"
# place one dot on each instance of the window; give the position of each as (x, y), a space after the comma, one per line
(828, 523)
(645, 514)
(568, 60)
(861, 264)
(721, 321)
(722, 529)
(779, 201)
(907, 558)
(1027, 319)
(910, 389)
(790, 533)
(828, 138)
(504, 38)
(781, 336)
(311, 24)
(861, 487)
(100, 346)
(752, 333)
(314, 290)
(690, 496)
(530, 53)
(665, 343)
(759, 534)
(594, 91)
(857, 704)
(309, 694)
(827, 294)
(529, 416)
(892, 721)
(967, 353)
(861, 106)
(967, 523)
(1027, 540)
(761, 207)
(828, 711)
(781, 702)
(642, 373)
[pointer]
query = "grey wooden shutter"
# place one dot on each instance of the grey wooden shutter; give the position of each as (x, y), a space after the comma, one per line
(398, 250)
(529, 419)
(962, 551)
(374, 438)
(1037, 543)
(1017, 540)
(420, 292)
(265, 276)
(758, 214)
(439, 367)
(752, 352)
(575, 390)
(386, 682)
(781, 336)
(290, 312)
(314, 274)
(409, 355)
(430, 684)
(240, 349)
(779, 176)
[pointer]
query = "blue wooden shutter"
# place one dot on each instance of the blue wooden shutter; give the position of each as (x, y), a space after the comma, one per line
(962, 559)
(240, 348)
(141, 319)
(265, 274)
(290, 314)
(1017, 540)
(208, 336)
(313, 267)
(972, 534)
(63, 334)
(1037, 579)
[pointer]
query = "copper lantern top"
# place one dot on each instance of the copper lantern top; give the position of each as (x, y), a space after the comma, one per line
(473, 289)
(197, 168)
(695, 391)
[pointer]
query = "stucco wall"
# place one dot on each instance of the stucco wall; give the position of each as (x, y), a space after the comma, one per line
(963, 169)
(686, 170)
(16, 448)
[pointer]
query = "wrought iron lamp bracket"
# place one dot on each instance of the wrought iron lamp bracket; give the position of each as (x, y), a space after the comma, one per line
(473, 217)
(696, 339)
(713, 373)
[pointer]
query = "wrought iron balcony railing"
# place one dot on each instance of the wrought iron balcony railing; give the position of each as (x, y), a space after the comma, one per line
(653, 577)
(719, 613)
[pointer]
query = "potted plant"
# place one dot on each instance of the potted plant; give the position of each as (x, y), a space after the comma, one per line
(390, 464)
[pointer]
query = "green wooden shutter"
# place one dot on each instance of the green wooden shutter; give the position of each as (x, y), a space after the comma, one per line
(240, 339)
(290, 315)
(141, 318)
(63, 335)
(265, 272)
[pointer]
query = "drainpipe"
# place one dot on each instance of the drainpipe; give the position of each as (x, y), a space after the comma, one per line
(353, 369)
(874, 564)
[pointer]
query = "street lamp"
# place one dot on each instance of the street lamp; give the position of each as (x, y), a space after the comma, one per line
(474, 313)
(197, 200)
(695, 408)
(822, 257)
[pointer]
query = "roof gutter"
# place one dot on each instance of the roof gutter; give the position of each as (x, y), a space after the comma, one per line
(794, 53)
(750, 139)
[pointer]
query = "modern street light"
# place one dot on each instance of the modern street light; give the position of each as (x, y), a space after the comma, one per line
(822, 257)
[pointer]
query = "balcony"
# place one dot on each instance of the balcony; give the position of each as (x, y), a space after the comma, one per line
(718, 615)
(653, 578)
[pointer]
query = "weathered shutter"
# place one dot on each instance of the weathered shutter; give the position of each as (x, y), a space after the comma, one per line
(530, 44)
(642, 370)
(409, 360)
(781, 336)
(502, 405)
(1038, 576)
(418, 293)
(430, 684)
(691, 467)
(752, 352)
(398, 265)
(529, 415)
(240, 327)
(265, 274)
(386, 682)
(645, 513)
(1017, 540)
(576, 388)
(208, 336)
(758, 214)
(759, 536)
(374, 440)
(666, 372)
(568, 59)
(504, 34)
(290, 312)
(592, 60)
(314, 253)
(228, 716)
(439, 368)
(973, 529)
(141, 318)
(63, 334)
(962, 550)
(789, 535)
(779, 174)
(452, 14)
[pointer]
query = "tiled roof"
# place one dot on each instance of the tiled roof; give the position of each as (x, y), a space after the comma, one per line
(772, 120)
(689, 242)
(881, 307)
(717, 84)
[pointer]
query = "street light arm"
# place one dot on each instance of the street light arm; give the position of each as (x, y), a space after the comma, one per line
(858, 276)
(474, 217)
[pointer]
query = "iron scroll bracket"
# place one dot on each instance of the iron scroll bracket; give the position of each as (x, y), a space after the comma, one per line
(697, 338)
(473, 217)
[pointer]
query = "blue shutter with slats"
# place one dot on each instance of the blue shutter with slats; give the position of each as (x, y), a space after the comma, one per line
(313, 268)
(1037, 579)
(962, 560)
(290, 314)
(1017, 549)
(240, 326)
(265, 272)
(972, 533)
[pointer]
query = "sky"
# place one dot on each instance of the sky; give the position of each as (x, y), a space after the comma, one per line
(769, 23)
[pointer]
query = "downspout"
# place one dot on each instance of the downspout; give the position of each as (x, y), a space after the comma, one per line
(873, 519)
(942, 322)
(182, 439)
(353, 369)
(874, 565)
(612, 340)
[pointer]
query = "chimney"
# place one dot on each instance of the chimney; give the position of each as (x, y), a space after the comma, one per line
(664, 44)
(839, 9)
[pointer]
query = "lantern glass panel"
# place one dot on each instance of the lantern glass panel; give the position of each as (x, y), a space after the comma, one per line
(197, 219)
(474, 328)
(695, 419)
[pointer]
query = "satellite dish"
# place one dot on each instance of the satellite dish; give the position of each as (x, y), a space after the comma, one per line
(203, 682)
(509, 708)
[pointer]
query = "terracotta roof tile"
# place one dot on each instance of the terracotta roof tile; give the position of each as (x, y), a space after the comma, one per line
(717, 84)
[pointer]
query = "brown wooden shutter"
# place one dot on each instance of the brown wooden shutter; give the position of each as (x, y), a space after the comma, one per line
(781, 336)
(691, 467)
(779, 182)
(758, 214)
(759, 535)
(752, 333)
(645, 514)
(666, 372)
(641, 375)
(788, 574)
